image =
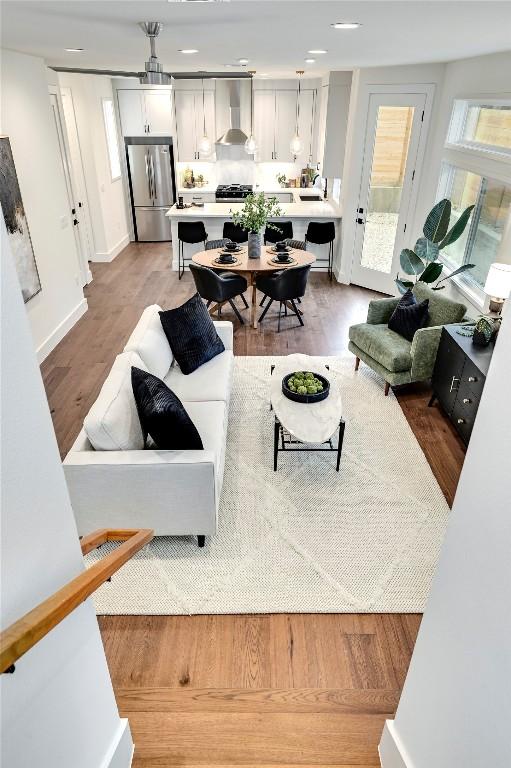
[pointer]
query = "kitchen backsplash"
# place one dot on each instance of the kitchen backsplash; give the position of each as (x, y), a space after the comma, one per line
(234, 166)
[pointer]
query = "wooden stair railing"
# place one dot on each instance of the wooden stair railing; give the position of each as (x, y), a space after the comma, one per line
(27, 631)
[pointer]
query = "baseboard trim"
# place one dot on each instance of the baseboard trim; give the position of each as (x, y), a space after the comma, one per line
(106, 256)
(120, 754)
(391, 751)
(49, 344)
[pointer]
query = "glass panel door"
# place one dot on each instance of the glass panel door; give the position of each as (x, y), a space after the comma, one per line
(392, 141)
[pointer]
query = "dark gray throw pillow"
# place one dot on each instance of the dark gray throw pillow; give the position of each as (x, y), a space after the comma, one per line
(409, 316)
(162, 415)
(191, 334)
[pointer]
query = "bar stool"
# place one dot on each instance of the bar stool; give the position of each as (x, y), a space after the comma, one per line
(190, 232)
(321, 233)
(284, 232)
(234, 232)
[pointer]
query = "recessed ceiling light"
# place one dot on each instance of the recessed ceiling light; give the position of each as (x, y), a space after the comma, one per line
(346, 25)
(243, 61)
(317, 51)
(74, 50)
(310, 61)
(188, 50)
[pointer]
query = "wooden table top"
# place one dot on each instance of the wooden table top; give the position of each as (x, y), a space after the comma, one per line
(244, 264)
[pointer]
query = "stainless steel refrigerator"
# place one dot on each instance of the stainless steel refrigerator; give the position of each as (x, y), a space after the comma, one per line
(152, 187)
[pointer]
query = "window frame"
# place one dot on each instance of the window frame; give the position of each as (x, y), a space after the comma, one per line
(104, 101)
(455, 139)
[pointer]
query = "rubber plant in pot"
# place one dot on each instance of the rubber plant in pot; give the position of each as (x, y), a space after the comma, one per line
(422, 262)
(253, 217)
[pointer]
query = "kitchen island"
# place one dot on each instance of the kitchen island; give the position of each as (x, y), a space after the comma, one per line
(214, 215)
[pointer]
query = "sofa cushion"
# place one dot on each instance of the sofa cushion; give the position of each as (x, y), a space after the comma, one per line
(212, 381)
(211, 422)
(162, 414)
(442, 310)
(388, 348)
(148, 340)
(112, 423)
(191, 334)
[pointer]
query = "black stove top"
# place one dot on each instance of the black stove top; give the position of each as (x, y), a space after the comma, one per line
(233, 192)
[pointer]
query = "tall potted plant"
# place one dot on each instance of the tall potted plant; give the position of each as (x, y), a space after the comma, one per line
(422, 262)
(253, 217)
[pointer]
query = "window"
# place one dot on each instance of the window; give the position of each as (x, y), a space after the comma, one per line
(111, 139)
(480, 242)
(483, 126)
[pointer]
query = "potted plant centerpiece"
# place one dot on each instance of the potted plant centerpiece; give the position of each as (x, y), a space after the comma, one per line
(253, 217)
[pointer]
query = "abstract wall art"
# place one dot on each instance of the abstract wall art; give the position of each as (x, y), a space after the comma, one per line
(16, 223)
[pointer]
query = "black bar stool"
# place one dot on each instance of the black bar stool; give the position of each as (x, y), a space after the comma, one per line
(284, 232)
(321, 233)
(190, 232)
(235, 233)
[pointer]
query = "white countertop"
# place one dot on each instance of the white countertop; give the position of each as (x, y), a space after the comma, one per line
(324, 209)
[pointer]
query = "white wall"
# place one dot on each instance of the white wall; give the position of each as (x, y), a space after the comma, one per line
(106, 197)
(26, 119)
(482, 76)
(455, 709)
(58, 708)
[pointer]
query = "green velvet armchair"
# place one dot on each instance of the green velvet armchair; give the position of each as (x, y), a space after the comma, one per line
(396, 359)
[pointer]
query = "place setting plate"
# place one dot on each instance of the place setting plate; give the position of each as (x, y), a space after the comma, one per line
(232, 262)
(289, 261)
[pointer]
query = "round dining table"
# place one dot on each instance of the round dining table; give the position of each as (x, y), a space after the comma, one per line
(250, 268)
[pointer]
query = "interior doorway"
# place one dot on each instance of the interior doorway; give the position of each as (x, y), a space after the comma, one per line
(394, 141)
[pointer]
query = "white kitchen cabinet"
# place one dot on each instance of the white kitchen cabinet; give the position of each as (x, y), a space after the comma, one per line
(190, 117)
(275, 124)
(145, 112)
(207, 197)
(333, 122)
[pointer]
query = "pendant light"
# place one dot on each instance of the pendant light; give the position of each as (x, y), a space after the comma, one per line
(251, 144)
(205, 143)
(296, 145)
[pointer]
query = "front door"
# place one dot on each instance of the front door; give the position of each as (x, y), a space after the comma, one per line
(388, 186)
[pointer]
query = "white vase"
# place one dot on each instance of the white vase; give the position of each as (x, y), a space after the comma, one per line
(254, 245)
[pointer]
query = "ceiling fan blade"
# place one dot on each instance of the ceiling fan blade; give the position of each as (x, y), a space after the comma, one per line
(109, 72)
(209, 75)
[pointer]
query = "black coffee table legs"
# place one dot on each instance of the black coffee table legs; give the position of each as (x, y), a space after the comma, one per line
(279, 437)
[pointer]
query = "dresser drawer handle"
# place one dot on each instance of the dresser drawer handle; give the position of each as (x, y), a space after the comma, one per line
(472, 378)
(461, 421)
(467, 400)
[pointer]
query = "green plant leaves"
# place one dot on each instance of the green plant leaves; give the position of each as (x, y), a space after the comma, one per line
(432, 272)
(403, 285)
(458, 228)
(426, 250)
(437, 222)
(410, 262)
(458, 271)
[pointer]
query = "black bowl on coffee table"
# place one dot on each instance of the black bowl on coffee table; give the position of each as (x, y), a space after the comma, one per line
(300, 397)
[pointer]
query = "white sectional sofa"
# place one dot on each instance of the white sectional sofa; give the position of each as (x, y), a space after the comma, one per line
(114, 482)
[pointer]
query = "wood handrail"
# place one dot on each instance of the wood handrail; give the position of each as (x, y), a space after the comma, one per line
(34, 625)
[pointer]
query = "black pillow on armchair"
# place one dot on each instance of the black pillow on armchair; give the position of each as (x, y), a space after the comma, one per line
(191, 334)
(409, 316)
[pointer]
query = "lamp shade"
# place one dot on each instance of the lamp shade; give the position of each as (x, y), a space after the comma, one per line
(498, 282)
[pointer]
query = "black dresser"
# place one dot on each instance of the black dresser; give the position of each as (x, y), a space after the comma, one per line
(459, 378)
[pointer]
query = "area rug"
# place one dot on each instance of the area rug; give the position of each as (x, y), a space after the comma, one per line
(304, 539)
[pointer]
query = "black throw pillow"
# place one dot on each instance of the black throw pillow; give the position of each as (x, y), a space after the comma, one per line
(191, 334)
(409, 316)
(162, 415)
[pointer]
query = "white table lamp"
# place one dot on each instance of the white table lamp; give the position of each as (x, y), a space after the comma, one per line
(498, 285)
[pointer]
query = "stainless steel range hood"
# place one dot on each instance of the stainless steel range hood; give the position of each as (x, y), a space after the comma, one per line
(234, 136)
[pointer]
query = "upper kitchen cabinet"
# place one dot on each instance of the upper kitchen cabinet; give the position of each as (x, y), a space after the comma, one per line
(333, 121)
(145, 112)
(190, 119)
(275, 124)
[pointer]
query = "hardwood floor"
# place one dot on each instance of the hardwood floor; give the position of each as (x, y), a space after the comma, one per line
(266, 690)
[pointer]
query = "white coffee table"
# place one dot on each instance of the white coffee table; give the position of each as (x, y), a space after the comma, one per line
(300, 425)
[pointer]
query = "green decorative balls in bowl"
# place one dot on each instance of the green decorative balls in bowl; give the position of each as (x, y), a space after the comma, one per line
(305, 387)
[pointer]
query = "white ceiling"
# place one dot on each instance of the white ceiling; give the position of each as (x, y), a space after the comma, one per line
(274, 34)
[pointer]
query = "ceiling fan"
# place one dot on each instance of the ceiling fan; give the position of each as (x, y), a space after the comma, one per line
(154, 74)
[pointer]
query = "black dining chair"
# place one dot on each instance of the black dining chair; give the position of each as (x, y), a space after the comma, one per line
(284, 232)
(322, 233)
(284, 286)
(212, 245)
(297, 245)
(190, 232)
(218, 288)
(234, 232)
